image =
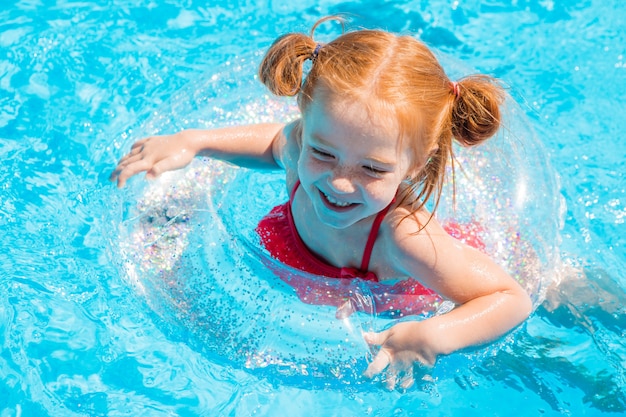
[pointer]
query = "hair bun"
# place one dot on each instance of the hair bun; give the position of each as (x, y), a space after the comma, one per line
(282, 67)
(476, 109)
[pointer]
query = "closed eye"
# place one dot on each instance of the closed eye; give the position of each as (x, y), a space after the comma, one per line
(320, 153)
(374, 170)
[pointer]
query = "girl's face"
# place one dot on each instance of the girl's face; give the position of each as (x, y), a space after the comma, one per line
(351, 163)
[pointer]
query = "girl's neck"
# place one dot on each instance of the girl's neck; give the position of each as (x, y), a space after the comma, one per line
(339, 247)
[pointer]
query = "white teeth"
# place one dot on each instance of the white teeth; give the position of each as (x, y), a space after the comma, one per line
(335, 202)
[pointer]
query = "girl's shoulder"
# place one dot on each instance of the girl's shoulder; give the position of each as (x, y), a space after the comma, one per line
(286, 145)
(402, 223)
(287, 149)
(412, 239)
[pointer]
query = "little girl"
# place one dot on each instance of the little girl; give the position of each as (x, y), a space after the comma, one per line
(378, 115)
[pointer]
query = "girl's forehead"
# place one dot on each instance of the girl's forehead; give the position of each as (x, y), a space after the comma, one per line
(356, 112)
(355, 126)
(376, 122)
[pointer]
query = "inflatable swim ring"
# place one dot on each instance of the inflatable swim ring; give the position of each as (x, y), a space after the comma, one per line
(188, 243)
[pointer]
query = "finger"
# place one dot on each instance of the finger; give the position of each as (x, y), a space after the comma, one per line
(136, 150)
(407, 380)
(391, 377)
(122, 164)
(162, 166)
(126, 160)
(115, 173)
(132, 156)
(377, 339)
(140, 143)
(132, 169)
(380, 362)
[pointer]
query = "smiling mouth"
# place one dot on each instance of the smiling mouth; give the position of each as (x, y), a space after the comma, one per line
(336, 203)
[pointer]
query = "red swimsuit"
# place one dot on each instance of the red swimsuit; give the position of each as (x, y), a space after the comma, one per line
(279, 236)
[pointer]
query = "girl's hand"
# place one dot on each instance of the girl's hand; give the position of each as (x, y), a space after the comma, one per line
(400, 347)
(154, 155)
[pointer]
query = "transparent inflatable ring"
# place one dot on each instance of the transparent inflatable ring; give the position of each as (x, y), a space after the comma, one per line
(188, 242)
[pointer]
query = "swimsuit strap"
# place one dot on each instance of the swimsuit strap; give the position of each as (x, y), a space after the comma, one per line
(293, 190)
(371, 239)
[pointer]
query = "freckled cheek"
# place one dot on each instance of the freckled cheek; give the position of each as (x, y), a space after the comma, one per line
(312, 168)
(380, 194)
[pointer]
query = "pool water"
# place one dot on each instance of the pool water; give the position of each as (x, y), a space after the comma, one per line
(78, 81)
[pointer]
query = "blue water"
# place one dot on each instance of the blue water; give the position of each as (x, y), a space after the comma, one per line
(77, 78)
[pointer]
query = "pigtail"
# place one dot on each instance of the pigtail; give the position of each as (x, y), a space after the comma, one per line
(476, 109)
(471, 115)
(283, 65)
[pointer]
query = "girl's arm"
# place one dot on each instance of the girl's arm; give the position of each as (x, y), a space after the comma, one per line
(490, 301)
(253, 146)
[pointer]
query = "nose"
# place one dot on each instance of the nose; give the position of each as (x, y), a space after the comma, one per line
(341, 182)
